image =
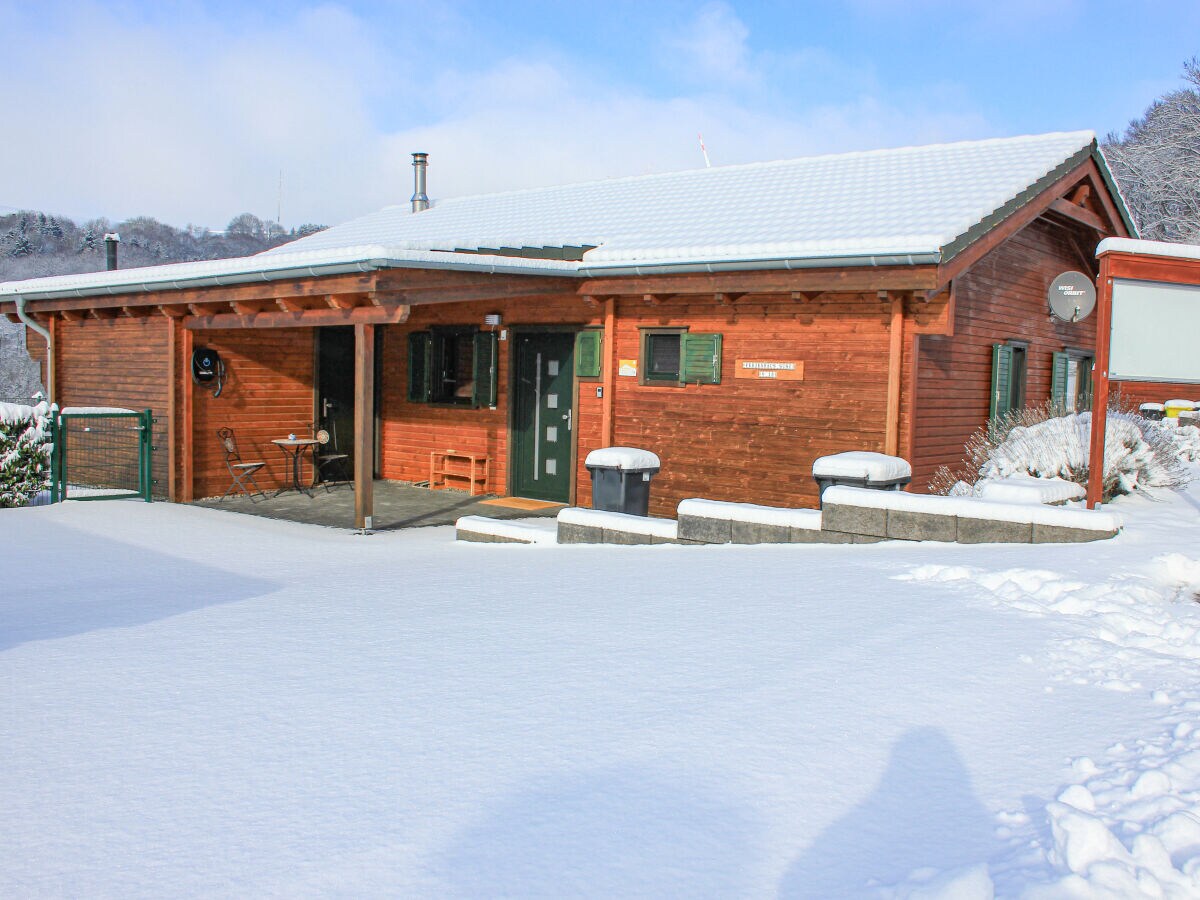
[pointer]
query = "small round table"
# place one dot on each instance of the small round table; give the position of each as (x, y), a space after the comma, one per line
(294, 448)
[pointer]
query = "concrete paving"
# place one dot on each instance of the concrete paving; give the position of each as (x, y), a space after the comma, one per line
(397, 505)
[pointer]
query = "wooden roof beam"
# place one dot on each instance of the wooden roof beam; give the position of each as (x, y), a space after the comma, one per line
(1080, 214)
(308, 318)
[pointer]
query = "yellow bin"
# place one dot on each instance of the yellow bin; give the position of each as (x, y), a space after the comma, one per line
(1172, 408)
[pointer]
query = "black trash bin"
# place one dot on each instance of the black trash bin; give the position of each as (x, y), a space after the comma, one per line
(621, 479)
(862, 469)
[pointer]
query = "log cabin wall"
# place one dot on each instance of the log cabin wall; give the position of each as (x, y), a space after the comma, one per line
(411, 431)
(268, 394)
(749, 439)
(742, 439)
(1131, 394)
(1001, 297)
(121, 362)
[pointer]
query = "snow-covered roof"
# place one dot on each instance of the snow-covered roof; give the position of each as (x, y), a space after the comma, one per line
(294, 263)
(911, 205)
(1149, 248)
(902, 203)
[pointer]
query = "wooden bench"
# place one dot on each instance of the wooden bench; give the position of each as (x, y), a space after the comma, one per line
(451, 469)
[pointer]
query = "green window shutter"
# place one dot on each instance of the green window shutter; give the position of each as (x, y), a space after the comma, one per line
(1059, 370)
(486, 370)
(1002, 359)
(699, 358)
(587, 353)
(420, 366)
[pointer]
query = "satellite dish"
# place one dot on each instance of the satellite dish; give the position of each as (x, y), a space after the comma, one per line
(1071, 296)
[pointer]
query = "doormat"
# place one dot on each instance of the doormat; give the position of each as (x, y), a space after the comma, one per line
(520, 503)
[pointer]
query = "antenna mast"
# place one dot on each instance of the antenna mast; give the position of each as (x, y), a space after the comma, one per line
(707, 161)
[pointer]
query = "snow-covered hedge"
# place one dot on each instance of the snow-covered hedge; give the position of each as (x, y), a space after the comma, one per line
(1138, 452)
(24, 453)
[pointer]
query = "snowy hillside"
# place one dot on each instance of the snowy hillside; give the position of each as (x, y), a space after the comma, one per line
(198, 702)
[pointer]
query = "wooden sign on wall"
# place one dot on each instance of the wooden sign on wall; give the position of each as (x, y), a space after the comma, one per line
(775, 370)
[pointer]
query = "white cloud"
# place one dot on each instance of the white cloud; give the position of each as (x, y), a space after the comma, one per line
(191, 121)
(712, 49)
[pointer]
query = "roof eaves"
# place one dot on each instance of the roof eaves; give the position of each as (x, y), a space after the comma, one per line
(371, 263)
(1115, 189)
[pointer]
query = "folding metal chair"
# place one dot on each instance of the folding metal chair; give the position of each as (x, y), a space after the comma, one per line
(329, 461)
(241, 472)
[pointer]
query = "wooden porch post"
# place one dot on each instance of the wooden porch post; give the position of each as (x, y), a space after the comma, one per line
(1095, 486)
(187, 464)
(172, 411)
(891, 440)
(606, 371)
(364, 425)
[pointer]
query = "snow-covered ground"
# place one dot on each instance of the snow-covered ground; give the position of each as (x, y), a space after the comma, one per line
(197, 702)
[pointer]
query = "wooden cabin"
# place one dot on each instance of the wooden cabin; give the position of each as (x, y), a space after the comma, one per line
(738, 321)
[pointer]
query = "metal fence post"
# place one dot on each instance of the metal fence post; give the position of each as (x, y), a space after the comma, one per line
(145, 452)
(55, 443)
(61, 449)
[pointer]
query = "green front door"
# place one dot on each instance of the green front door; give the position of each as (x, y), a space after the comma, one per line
(543, 416)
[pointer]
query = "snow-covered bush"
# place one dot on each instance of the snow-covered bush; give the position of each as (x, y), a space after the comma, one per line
(1186, 439)
(24, 453)
(1138, 453)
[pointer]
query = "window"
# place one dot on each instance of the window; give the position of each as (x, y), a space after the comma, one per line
(678, 356)
(1071, 380)
(660, 356)
(455, 365)
(1008, 378)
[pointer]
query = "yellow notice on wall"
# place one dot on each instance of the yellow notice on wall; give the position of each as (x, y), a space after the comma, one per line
(627, 367)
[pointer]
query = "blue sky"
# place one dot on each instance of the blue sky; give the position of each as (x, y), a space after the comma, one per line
(188, 111)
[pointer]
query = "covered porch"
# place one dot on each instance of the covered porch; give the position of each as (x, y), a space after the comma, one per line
(334, 355)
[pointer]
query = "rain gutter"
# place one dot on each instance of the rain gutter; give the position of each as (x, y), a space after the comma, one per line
(823, 262)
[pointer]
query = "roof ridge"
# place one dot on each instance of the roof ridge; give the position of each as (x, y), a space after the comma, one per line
(757, 164)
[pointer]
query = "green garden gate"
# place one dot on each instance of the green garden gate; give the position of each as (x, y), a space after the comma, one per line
(101, 454)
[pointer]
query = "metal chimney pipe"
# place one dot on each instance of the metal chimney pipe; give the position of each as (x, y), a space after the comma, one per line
(420, 200)
(110, 249)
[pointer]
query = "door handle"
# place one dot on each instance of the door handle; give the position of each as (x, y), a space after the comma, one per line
(567, 415)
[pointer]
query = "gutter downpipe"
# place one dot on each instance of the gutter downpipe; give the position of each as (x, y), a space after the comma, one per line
(33, 324)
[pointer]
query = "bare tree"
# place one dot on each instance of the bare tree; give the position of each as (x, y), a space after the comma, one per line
(1157, 164)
